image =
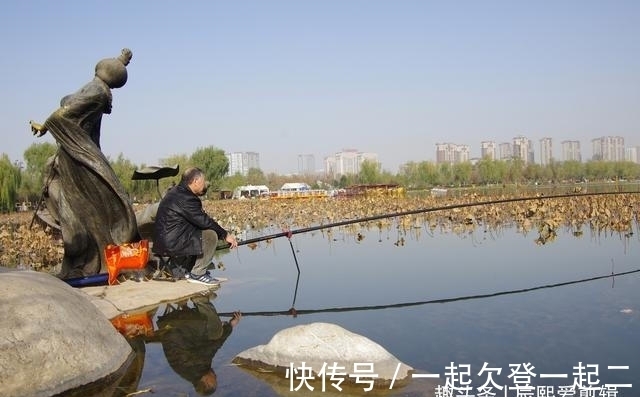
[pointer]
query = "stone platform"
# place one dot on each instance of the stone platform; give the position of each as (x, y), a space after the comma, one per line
(132, 296)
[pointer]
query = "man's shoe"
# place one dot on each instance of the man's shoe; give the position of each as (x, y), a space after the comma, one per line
(205, 279)
(216, 278)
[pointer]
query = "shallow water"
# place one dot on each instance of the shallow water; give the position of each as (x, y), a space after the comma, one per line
(427, 300)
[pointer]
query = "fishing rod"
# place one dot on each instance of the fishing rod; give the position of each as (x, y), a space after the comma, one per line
(100, 279)
(289, 233)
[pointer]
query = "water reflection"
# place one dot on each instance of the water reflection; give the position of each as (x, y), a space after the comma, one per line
(509, 300)
(190, 333)
(295, 312)
(190, 338)
(136, 328)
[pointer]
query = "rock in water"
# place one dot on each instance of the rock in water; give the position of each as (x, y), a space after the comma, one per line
(318, 344)
(54, 339)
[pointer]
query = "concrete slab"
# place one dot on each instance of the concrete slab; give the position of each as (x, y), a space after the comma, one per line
(132, 296)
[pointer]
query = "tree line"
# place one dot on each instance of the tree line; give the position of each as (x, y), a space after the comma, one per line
(25, 182)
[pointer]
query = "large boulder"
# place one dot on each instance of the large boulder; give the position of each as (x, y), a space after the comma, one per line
(318, 344)
(53, 338)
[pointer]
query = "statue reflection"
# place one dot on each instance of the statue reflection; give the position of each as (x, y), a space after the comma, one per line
(191, 333)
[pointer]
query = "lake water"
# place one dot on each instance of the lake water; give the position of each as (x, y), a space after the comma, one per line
(400, 289)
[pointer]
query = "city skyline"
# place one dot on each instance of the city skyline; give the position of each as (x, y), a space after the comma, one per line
(284, 78)
(615, 149)
(565, 150)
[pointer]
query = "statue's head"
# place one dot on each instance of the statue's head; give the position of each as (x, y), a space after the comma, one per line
(113, 71)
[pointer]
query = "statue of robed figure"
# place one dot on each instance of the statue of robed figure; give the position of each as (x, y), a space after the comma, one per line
(82, 192)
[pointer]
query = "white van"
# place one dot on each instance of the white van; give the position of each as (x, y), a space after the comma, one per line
(250, 191)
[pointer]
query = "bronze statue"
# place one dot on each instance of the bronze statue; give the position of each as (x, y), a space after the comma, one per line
(83, 194)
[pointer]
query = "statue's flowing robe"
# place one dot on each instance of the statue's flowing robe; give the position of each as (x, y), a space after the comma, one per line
(85, 194)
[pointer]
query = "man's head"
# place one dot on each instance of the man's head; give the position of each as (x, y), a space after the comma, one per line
(207, 384)
(195, 180)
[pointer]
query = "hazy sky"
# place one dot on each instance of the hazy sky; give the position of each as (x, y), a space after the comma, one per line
(283, 78)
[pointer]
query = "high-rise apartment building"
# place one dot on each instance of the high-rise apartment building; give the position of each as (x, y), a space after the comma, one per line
(571, 151)
(451, 153)
(241, 162)
(523, 149)
(546, 151)
(631, 154)
(488, 150)
(462, 154)
(445, 152)
(347, 162)
(608, 148)
(306, 164)
(505, 149)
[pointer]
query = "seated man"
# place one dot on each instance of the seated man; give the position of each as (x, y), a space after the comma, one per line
(191, 337)
(183, 230)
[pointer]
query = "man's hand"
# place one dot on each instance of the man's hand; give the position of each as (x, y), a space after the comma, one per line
(231, 239)
(37, 129)
(237, 316)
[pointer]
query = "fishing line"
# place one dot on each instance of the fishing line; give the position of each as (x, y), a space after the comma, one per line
(427, 302)
(290, 233)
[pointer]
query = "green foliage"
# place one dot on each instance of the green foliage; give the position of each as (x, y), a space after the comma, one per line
(37, 155)
(462, 173)
(536, 173)
(598, 170)
(388, 177)
(181, 160)
(444, 174)
(491, 171)
(344, 181)
(26, 183)
(35, 174)
(429, 173)
(571, 171)
(124, 169)
(255, 176)
(9, 183)
(233, 181)
(515, 170)
(425, 174)
(485, 171)
(420, 175)
(626, 170)
(213, 162)
(369, 172)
